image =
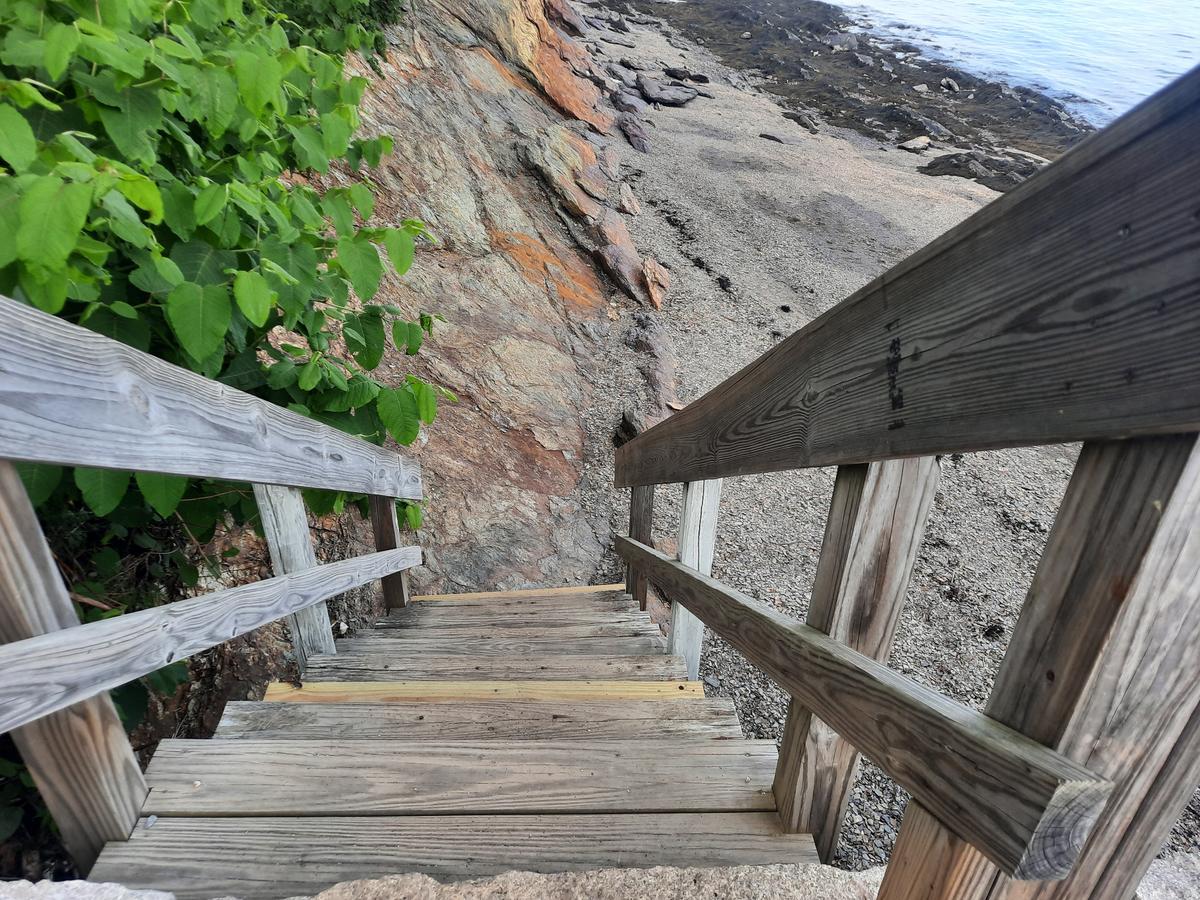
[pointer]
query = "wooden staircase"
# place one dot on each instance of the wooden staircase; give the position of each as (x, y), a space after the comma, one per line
(463, 736)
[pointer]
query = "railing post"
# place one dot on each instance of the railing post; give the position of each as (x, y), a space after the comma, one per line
(285, 524)
(876, 521)
(386, 526)
(79, 757)
(1102, 667)
(641, 527)
(697, 539)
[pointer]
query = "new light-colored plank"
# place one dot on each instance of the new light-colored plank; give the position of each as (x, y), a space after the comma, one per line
(78, 756)
(264, 859)
(697, 541)
(872, 536)
(386, 528)
(528, 592)
(306, 778)
(393, 691)
(1103, 666)
(49, 672)
(375, 665)
(1028, 808)
(285, 525)
(484, 645)
(641, 529)
(1063, 311)
(473, 720)
(71, 396)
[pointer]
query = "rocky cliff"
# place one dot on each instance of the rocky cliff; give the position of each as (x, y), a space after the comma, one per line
(504, 150)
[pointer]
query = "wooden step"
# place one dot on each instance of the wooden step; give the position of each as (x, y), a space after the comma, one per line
(522, 630)
(473, 720)
(476, 646)
(569, 591)
(610, 601)
(376, 777)
(392, 691)
(376, 665)
(460, 615)
(265, 859)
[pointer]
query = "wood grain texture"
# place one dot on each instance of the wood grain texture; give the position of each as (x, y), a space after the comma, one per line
(481, 644)
(404, 691)
(1026, 807)
(474, 720)
(285, 525)
(78, 756)
(1063, 311)
(697, 542)
(386, 528)
(305, 778)
(1103, 666)
(425, 615)
(872, 537)
(375, 665)
(604, 602)
(71, 396)
(49, 672)
(264, 859)
(641, 529)
(568, 591)
(519, 631)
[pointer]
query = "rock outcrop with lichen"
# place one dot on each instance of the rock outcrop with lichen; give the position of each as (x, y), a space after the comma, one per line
(503, 147)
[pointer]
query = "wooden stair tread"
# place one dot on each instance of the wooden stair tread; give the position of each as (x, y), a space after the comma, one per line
(378, 665)
(391, 691)
(382, 777)
(486, 645)
(458, 615)
(608, 600)
(568, 591)
(480, 720)
(518, 629)
(265, 858)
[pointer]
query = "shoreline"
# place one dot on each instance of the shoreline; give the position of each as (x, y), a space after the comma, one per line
(817, 60)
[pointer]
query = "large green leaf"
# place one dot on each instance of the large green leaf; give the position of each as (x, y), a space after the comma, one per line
(366, 339)
(18, 146)
(201, 262)
(162, 492)
(400, 248)
(40, 480)
(135, 123)
(214, 99)
(102, 489)
(210, 202)
(52, 216)
(254, 296)
(61, 41)
(360, 261)
(199, 316)
(258, 80)
(427, 401)
(397, 408)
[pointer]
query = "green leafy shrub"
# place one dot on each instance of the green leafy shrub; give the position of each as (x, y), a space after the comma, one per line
(155, 156)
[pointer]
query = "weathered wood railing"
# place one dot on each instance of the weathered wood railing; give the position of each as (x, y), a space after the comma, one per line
(70, 396)
(1067, 310)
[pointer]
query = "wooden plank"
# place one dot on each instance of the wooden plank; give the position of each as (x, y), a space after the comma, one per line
(1062, 311)
(285, 525)
(305, 778)
(602, 602)
(426, 691)
(49, 672)
(518, 631)
(386, 528)
(373, 665)
(264, 859)
(480, 645)
(474, 720)
(78, 755)
(1025, 806)
(528, 592)
(697, 541)
(1102, 666)
(641, 529)
(872, 537)
(71, 396)
(421, 615)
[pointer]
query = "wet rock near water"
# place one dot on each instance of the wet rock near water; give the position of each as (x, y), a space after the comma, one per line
(1000, 173)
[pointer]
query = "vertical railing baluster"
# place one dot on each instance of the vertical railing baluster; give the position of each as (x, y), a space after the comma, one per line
(697, 540)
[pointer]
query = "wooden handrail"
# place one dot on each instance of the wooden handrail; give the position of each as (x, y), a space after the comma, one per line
(74, 397)
(42, 674)
(1026, 807)
(1065, 310)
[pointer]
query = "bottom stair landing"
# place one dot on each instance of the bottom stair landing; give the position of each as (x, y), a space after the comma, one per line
(463, 736)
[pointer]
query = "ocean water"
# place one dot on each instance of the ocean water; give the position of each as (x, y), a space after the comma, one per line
(1099, 56)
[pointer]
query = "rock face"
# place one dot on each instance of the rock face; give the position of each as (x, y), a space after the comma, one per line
(501, 149)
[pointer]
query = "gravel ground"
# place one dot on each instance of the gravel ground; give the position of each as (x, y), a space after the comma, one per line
(760, 237)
